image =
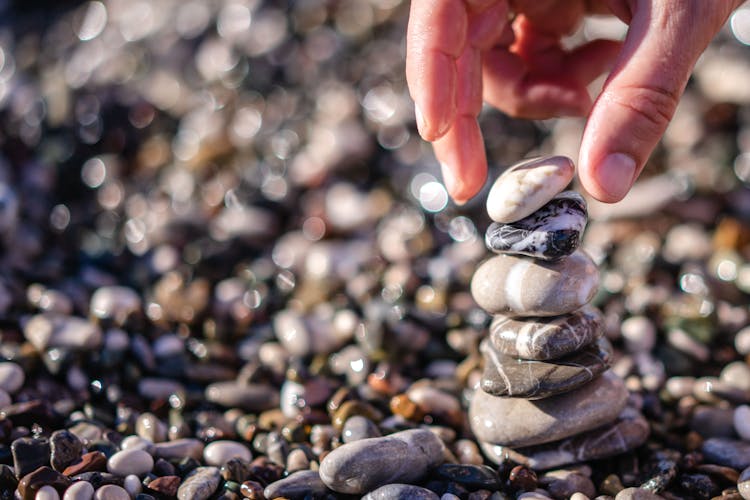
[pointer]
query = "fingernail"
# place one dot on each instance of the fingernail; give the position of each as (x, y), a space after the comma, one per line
(449, 180)
(616, 174)
(420, 119)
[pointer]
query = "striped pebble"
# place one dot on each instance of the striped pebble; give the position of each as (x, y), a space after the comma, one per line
(546, 338)
(525, 187)
(519, 286)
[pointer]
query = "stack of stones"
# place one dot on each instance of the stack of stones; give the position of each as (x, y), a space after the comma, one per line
(546, 396)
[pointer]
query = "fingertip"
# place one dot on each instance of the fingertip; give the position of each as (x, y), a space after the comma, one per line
(609, 179)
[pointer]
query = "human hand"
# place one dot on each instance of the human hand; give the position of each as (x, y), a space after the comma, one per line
(460, 52)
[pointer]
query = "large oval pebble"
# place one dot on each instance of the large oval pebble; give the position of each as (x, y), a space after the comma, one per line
(297, 485)
(220, 452)
(546, 338)
(525, 187)
(401, 492)
(550, 233)
(364, 465)
(516, 422)
(132, 461)
(81, 490)
(519, 286)
(629, 431)
(531, 379)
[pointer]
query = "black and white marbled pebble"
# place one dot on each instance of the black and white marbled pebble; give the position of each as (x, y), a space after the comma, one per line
(29, 454)
(729, 452)
(531, 379)
(401, 492)
(65, 448)
(628, 432)
(473, 477)
(359, 427)
(199, 484)
(550, 233)
(364, 465)
(743, 484)
(297, 485)
(546, 337)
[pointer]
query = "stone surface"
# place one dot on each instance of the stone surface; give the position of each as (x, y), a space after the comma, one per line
(636, 494)
(79, 491)
(165, 485)
(473, 477)
(11, 377)
(297, 485)
(550, 233)
(519, 286)
(546, 338)
(358, 427)
(200, 484)
(29, 454)
(525, 187)
(133, 461)
(730, 452)
(518, 422)
(43, 476)
(742, 421)
(743, 484)
(47, 493)
(93, 461)
(65, 447)
(367, 464)
(401, 492)
(180, 448)
(531, 379)
(111, 492)
(564, 483)
(219, 452)
(628, 432)
(48, 330)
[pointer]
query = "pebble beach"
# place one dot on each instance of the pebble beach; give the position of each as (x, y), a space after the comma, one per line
(229, 269)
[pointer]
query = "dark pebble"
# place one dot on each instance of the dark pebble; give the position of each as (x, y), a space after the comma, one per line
(8, 480)
(236, 469)
(163, 468)
(98, 479)
(165, 485)
(729, 452)
(522, 478)
(93, 461)
(29, 454)
(252, 490)
(473, 477)
(65, 448)
(43, 476)
(698, 485)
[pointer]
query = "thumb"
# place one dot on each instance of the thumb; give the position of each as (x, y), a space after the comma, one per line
(640, 96)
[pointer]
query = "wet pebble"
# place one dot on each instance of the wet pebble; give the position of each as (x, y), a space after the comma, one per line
(366, 464)
(29, 454)
(401, 492)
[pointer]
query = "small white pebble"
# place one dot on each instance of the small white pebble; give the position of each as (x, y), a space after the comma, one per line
(128, 462)
(132, 485)
(111, 492)
(219, 452)
(47, 493)
(742, 421)
(81, 490)
(578, 496)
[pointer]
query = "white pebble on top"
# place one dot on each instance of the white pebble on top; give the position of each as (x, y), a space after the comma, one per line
(525, 187)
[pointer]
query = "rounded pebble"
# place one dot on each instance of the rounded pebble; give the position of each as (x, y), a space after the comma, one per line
(742, 421)
(47, 493)
(133, 461)
(81, 490)
(111, 492)
(219, 452)
(743, 484)
(401, 492)
(11, 377)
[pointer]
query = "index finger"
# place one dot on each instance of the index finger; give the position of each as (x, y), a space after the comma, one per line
(435, 38)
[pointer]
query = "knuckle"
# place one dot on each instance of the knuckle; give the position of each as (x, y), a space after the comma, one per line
(654, 105)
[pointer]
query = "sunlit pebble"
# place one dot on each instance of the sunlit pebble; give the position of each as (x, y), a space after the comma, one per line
(314, 228)
(234, 19)
(380, 103)
(192, 19)
(433, 197)
(94, 21)
(693, 283)
(59, 218)
(462, 229)
(740, 25)
(94, 172)
(418, 181)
